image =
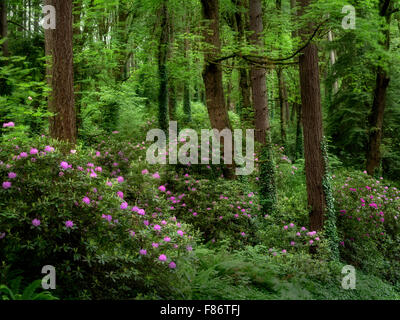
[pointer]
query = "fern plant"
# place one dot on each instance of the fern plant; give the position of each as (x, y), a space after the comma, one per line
(29, 293)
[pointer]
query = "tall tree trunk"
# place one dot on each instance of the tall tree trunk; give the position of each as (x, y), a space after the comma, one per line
(260, 103)
(187, 108)
(60, 73)
(122, 40)
(77, 46)
(379, 102)
(283, 104)
(4, 27)
(212, 73)
(5, 89)
(162, 69)
(312, 128)
(171, 78)
(244, 77)
(257, 75)
(299, 141)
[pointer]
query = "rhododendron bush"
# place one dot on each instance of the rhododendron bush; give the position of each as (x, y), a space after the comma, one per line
(116, 227)
(369, 223)
(69, 211)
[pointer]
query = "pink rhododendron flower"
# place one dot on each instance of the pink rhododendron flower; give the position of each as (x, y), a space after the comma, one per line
(48, 149)
(6, 184)
(120, 194)
(64, 165)
(86, 200)
(36, 222)
(156, 175)
(69, 224)
(143, 252)
(172, 265)
(12, 175)
(162, 257)
(8, 124)
(120, 179)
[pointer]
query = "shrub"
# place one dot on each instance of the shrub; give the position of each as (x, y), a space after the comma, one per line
(368, 223)
(65, 210)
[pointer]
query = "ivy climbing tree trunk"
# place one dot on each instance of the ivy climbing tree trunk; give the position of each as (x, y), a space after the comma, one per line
(212, 73)
(58, 43)
(312, 127)
(260, 104)
(379, 102)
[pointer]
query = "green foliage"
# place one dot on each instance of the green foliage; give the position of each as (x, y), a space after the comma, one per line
(267, 181)
(368, 224)
(29, 292)
(46, 191)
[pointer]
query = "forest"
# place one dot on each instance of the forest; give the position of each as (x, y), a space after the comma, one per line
(107, 194)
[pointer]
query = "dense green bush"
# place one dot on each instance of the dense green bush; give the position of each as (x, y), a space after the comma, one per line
(65, 210)
(368, 223)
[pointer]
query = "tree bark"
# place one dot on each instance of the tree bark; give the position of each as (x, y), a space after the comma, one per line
(162, 69)
(171, 78)
(4, 27)
(379, 103)
(257, 75)
(61, 100)
(212, 73)
(312, 128)
(77, 46)
(244, 77)
(187, 108)
(283, 104)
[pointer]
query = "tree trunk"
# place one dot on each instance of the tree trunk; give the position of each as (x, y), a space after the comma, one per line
(187, 108)
(162, 69)
(77, 46)
(312, 129)
(257, 75)
(212, 73)
(4, 27)
(260, 103)
(299, 140)
(283, 104)
(60, 73)
(244, 77)
(171, 77)
(379, 102)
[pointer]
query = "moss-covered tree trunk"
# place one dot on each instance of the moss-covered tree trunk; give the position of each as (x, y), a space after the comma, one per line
(261, 112)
